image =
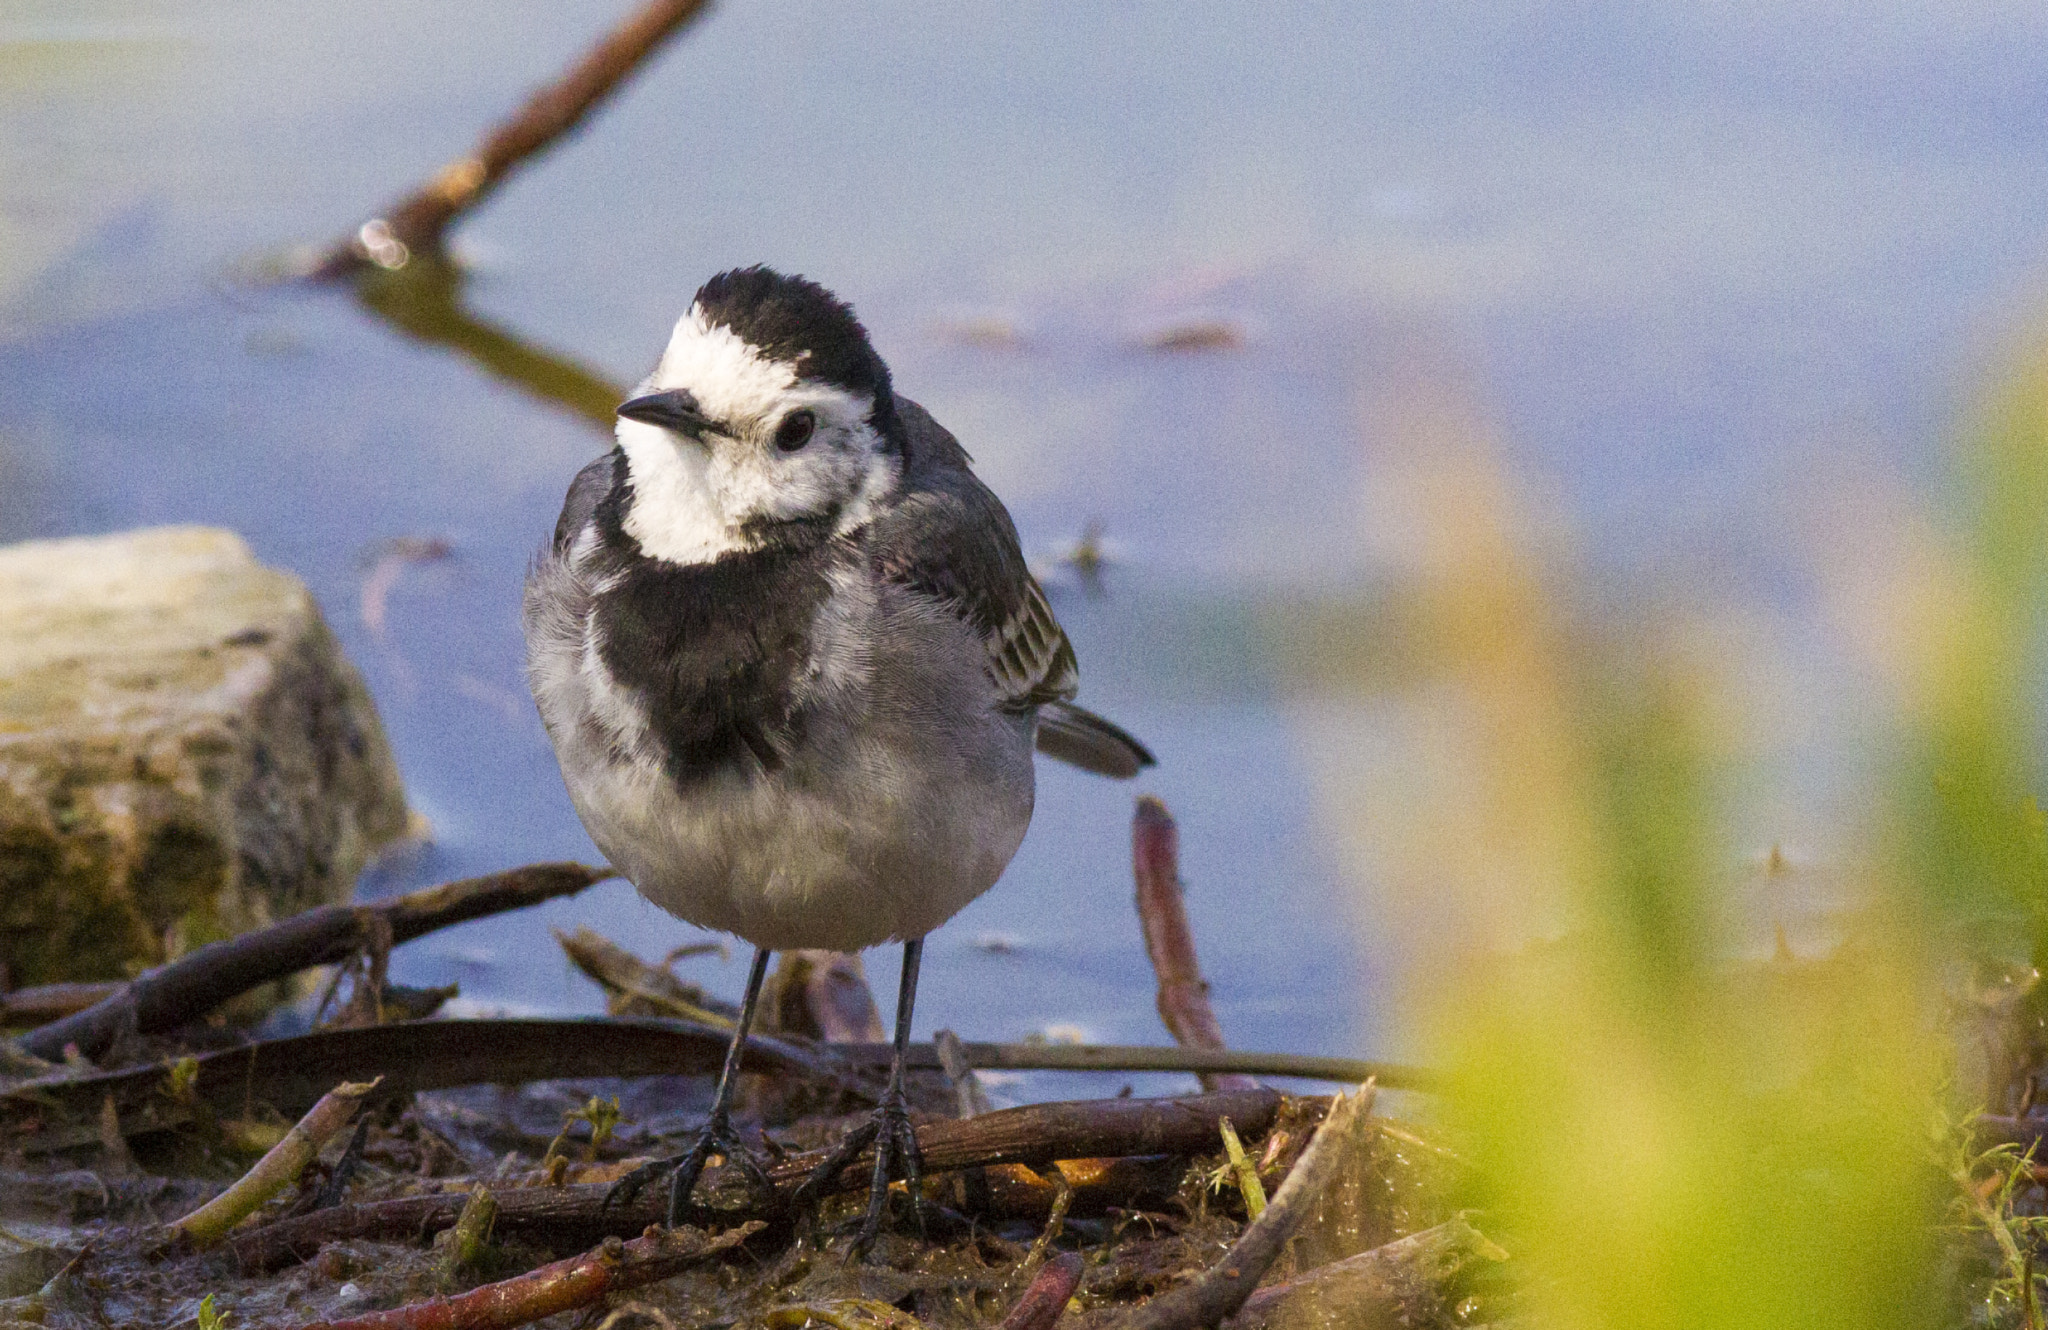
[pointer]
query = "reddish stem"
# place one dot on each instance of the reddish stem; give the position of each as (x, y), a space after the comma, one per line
(1046, 1299)
(581, 1281)
(1183, 993)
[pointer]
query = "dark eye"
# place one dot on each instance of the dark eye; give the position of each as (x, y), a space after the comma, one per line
(795, 430)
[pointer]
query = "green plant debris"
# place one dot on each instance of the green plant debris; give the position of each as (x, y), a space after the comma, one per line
(602, 1116)
(181, 1079)
(1248, 1183)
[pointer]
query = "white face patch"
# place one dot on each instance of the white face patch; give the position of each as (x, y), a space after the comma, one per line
(674, 515)
(695, 502)
(730, 379)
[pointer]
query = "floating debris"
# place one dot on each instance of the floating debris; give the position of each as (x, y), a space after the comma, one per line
(1196, 335)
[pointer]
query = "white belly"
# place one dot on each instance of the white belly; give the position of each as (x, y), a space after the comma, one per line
(903, 804)
(842, 864)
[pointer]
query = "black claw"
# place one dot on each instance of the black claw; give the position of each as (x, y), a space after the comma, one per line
(913, 1169)
(895, 1141)
(812, 1189)
(717, 1137)
(689, 1170)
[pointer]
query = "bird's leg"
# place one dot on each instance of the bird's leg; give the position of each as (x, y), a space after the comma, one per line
(889, 1130)
(718, 1135)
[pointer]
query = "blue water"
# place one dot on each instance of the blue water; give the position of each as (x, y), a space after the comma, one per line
(1667, 254)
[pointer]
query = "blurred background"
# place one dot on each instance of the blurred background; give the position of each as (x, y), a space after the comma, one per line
(1649, 320)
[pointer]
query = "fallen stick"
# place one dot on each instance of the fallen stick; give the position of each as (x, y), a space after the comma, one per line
(1400, 1283)
(277, 1169)
(1036, 1134)
(288, 1075)
(626, 979)
(580, 1281)
(1170, 942)
(189, 987)
(1149, 1057)
(1043, 1302)
(1224, 1287)
(418, 224)
(49, 1002)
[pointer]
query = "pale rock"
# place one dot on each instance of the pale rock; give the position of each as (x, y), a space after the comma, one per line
(184, 752)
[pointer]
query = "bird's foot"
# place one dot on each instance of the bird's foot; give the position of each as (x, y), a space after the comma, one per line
(894, 1139)
(718, 1137)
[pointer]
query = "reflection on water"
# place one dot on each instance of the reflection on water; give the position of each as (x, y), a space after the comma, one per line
(1186, 278)
(423, 300)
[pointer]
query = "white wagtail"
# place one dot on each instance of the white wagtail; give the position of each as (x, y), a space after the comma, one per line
(793, 663)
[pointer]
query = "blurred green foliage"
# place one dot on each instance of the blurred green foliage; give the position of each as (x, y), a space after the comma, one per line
(1666, 1134)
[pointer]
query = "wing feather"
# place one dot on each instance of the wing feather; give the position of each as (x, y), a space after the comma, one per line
(951, 538)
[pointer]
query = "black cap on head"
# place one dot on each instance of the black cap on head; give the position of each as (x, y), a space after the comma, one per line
(794, 319)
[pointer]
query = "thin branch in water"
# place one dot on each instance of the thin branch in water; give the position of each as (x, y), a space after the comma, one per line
(394, 556)
(418, 224)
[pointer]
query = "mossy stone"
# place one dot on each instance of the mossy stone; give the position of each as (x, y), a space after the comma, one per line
(184, 752)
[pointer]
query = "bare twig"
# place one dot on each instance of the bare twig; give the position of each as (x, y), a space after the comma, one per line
(1222, 1289)
(49, 1002)
(277, 1169)
(581, 1281)
(1148, 1057)
(1036, 1134)
(1399, 1283)
(1040, 1306)
(1183, 993)
(189, 987)
(289, 1074)
(418, 224)
(637, 988)
(1055, 1224)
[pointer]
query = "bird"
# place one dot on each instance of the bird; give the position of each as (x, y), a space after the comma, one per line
(794, 668)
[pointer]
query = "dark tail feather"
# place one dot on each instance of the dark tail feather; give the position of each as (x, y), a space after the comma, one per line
(1084, 739)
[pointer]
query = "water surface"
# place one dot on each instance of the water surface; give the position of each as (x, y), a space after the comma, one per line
(1668, 253)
